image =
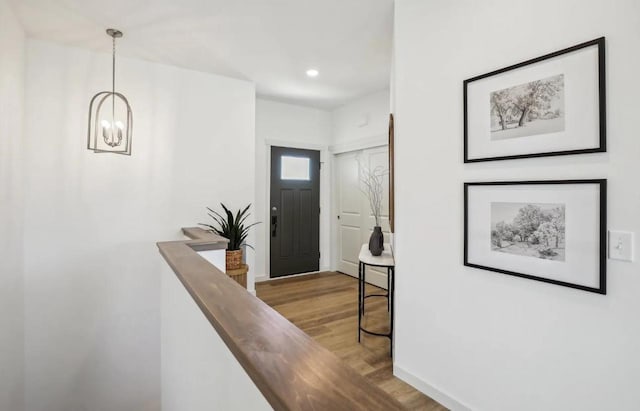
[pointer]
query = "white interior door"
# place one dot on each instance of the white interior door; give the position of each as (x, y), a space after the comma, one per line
(355, 220)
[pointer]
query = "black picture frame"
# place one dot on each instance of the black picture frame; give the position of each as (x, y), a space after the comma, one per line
(600, 43)
(602, 183)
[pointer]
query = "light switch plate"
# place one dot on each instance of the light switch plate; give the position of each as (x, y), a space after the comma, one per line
(621, 245)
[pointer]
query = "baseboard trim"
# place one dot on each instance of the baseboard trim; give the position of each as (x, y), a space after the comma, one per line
(430, 390)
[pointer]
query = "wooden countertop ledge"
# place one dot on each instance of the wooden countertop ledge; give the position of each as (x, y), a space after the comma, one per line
(291, 370)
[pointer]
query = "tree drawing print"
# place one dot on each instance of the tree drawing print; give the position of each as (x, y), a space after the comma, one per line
(533, 230)
(528, 109)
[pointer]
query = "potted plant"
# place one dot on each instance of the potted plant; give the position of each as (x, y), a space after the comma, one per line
(233, 228)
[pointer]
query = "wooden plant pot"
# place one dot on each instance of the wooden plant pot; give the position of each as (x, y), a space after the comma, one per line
(233, 259)
(239, 275)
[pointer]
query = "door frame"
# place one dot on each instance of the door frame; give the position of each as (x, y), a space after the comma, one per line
(358, 145)
(325, 204)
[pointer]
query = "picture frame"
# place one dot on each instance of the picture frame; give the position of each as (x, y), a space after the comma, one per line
(551, 105)
(552, 231)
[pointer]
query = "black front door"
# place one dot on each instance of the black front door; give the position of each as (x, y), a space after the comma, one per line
(295, 211)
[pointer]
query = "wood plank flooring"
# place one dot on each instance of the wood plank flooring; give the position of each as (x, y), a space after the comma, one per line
(325, 306)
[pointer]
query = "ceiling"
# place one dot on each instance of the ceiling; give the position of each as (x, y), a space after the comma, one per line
(270, 42)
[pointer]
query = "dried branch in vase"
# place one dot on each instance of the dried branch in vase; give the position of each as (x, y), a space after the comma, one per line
(372, 185)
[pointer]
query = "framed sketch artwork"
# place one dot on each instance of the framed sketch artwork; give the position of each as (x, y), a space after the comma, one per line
(550, 105)
(551, 231)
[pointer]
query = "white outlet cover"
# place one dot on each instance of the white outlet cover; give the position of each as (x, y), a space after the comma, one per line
(621, 245)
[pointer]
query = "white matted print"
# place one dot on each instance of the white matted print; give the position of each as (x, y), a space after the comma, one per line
(551, 105)
(552, 231)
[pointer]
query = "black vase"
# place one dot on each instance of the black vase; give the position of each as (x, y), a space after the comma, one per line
(376, 241)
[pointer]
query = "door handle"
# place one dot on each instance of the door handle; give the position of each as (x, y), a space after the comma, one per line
(274, 225)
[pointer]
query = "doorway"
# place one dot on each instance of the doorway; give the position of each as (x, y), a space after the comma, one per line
(294, 211)
(354, 220)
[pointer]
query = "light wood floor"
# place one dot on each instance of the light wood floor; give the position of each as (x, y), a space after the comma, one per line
(325, 306)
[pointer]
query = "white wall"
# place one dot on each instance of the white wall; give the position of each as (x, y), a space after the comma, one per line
(491, 341)
(358, 125)
(199, 372)
(303, 127)
(361, 121)
(289, 125)
(12, 61)
(92, 279)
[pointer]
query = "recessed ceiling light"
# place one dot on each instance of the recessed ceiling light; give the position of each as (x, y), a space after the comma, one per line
(312, 73)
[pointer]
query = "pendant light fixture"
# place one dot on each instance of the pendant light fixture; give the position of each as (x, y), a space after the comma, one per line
(110, 116)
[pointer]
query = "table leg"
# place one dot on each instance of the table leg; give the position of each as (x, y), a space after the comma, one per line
(363, 284)
(388, 289)
(359, 298)
(392, 271)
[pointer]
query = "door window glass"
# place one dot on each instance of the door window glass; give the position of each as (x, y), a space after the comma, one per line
(295, 168)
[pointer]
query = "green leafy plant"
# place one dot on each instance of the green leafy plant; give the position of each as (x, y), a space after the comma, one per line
(230, 226)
